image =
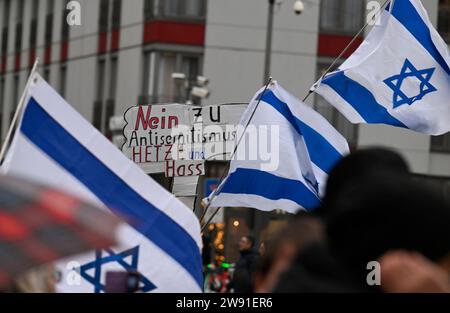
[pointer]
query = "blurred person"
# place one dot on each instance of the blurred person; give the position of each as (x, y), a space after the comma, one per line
(244, 273)
(312, 268)
(358, 168)
(410, 272)
(388, 212)
(283, 248)
(219, 280)
(372, 205)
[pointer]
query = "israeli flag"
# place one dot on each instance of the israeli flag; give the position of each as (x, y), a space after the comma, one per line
(399, 76)
(56, 146)
(304, 148)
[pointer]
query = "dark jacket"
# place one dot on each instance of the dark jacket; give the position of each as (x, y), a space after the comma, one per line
(244, 273)
(316, 270)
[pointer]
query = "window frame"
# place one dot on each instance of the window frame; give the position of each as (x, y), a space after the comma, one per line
(148, 72)
(154, 10)
(338, 30)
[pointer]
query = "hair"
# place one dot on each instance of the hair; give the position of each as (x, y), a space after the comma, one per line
(251, 239)
(358, 168)
(388, 212)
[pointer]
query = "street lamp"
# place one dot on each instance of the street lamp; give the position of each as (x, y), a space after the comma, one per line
(298, 8)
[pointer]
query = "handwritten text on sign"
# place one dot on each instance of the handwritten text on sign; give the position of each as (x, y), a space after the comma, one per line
(160, 133)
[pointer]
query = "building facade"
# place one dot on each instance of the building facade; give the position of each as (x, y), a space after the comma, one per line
(125, 52)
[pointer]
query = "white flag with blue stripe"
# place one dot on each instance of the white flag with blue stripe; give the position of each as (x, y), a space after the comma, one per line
(306, 149)
(399, 76)
(56, 146)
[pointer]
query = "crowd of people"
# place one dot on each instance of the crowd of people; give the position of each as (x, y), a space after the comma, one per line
(379, 229)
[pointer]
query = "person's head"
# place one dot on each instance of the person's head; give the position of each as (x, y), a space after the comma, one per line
(246, 243)
(358, 168)
(283, 247)
(388, 212)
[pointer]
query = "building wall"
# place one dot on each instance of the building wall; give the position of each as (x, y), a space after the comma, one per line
(82, 64)
(130, 56)
(235, 46)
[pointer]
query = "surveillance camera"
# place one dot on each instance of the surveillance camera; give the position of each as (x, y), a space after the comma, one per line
(178, 76)
(202, 81)
(299, 7)
(200, 92)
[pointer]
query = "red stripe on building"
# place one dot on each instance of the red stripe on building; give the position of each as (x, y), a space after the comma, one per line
(3, 65)
(64, 53)
(333, 45)
(31, 58)
(102, 42)
(174, 33)
(115, 40)
(48, 55)
(17, 61)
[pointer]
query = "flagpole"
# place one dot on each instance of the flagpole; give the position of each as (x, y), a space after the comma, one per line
(269, 81)
(310, 91)
(20, 105)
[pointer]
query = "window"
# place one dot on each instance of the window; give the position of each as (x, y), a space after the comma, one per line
(148, 80)
(47, 73)
(65, 29)
(49, 23)
(62, 79)
(5, 41)
(2, 93)
(116, 10)
(34, 24)
(150, 9)
(104, 105)
(440, 143)
(98, 104)
(103, 18)
(113, 78)
(167, 66)
(20, 9)
(18, 41)
(342, 16)
(6, 12)
(191, 9)
(190, 67)
(110, 103)
(19, 20)
(15, 97)
(5, 32)
(183, 8)
(158, 84)
(444, 19)
(342, 125)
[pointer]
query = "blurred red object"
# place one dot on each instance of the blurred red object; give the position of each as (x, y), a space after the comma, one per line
(39, 225)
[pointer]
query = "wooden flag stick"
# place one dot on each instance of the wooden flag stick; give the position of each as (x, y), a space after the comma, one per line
(19, 108)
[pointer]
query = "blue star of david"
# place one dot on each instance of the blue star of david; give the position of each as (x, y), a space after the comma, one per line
(409, 70)
(146, 285)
